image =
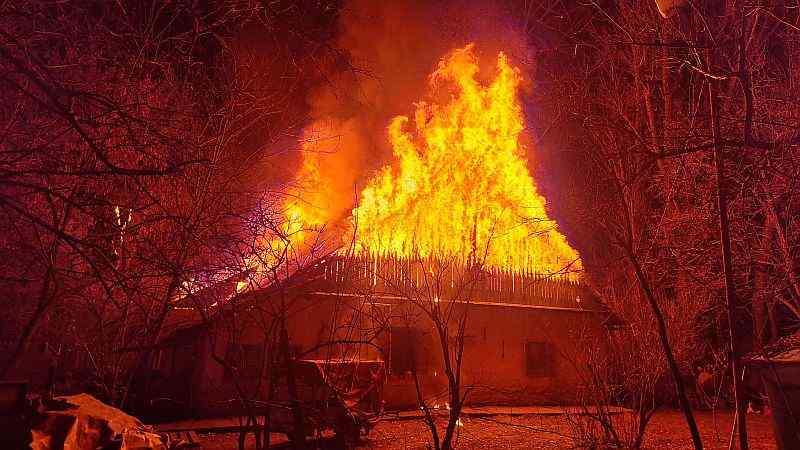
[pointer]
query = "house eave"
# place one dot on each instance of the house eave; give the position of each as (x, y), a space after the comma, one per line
(396, 298)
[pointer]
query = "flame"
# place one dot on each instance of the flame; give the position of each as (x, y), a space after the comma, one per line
(307, 207)
(302, 215)
(321, 183)
(460, 186)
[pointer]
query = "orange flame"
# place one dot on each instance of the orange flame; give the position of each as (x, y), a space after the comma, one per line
(461, 187)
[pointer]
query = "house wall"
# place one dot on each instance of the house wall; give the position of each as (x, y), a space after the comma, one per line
(495, 363)
(310, 321)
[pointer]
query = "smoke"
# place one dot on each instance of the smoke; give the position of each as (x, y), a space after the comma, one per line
(390, 49)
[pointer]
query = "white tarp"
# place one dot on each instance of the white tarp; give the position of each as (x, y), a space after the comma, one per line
(92, 424)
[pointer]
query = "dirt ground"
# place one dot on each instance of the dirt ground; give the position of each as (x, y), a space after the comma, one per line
(666, 431)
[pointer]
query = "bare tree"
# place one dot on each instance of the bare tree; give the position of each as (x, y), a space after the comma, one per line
(123, 173)
(437, 296)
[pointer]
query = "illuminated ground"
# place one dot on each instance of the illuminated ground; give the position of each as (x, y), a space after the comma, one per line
(667, 431)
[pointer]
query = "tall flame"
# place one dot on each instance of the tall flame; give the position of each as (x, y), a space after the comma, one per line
(460, 187)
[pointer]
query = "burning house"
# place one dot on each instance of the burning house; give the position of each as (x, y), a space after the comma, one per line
(452, 265)
(519, 338)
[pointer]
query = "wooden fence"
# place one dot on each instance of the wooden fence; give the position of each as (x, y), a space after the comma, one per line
(450, 280)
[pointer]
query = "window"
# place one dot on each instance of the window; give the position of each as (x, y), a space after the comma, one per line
(407, 350)
(538, 359)
(246, 358)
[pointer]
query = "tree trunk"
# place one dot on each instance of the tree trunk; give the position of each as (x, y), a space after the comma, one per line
(664, 338)
(727, 263)
(298, 434)
(42, 305)
(761, 285)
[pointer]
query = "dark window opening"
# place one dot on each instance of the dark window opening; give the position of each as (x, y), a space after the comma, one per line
(245, 358)
(407, 350)
(538, 359)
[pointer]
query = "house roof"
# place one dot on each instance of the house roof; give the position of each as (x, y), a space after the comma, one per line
(204, 305)
(333, 275)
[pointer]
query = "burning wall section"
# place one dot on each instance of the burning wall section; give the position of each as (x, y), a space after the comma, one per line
(382, 276)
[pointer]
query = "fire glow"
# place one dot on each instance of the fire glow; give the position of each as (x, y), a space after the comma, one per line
(460, 187)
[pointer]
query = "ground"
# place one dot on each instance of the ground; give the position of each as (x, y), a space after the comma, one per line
(667, 431)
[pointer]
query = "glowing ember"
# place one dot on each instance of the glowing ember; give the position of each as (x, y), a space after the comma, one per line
(461, 187)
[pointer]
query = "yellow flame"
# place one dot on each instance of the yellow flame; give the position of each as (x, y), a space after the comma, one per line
(306, 208)
(308, 204)
(460, 186)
